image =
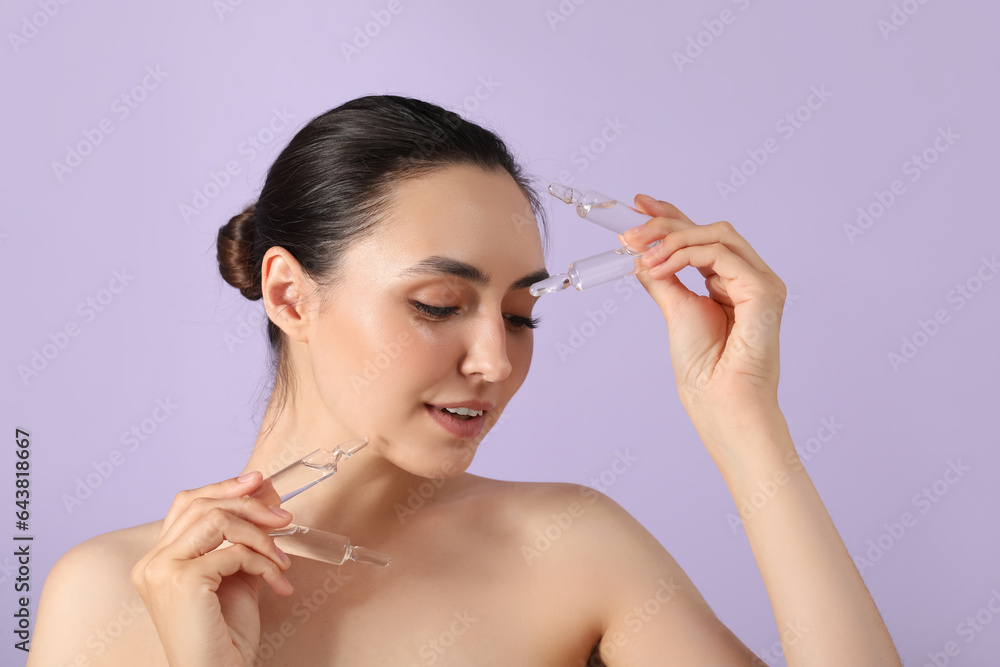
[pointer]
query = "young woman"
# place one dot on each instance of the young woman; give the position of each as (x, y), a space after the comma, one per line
(389, 226)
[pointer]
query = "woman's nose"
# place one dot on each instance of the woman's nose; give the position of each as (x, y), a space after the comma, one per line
(487, 351)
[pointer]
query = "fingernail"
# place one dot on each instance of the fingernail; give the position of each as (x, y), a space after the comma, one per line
(247, 476)
(283, 513)
(634, 230)
(647, 197)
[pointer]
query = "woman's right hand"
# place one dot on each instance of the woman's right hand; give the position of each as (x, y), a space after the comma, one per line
(204, 603)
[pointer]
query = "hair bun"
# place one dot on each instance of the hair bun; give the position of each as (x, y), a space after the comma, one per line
(235, 247)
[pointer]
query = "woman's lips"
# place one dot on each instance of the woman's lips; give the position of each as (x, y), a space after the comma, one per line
(463, 428)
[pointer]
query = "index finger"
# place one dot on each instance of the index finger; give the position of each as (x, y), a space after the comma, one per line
(245, 484)
(719, 232)
(662, 209)
(666, 216)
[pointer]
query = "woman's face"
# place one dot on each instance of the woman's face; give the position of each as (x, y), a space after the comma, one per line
(432, 310)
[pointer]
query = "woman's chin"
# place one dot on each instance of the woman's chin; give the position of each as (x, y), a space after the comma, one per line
(438, 457)
(444, 461)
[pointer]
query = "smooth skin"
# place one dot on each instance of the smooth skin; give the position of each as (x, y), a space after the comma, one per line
(469, 582)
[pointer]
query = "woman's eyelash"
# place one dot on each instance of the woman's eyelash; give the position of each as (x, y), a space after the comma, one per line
(526, 322)
(444, 311)
(435, 311)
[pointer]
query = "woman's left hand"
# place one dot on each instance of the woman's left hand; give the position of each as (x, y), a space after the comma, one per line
(723, 347)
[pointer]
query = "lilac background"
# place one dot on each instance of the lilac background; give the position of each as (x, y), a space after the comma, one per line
(554, 87)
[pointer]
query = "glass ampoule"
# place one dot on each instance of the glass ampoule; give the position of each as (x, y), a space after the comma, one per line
(604, 267)
(308, 542)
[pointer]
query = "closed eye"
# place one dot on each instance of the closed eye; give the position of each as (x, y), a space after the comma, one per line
(442, 312)
(435, 311)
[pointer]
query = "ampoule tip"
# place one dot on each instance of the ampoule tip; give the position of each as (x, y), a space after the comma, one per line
(554, 283)
(563, 192)
(353, 445)
(365, 555)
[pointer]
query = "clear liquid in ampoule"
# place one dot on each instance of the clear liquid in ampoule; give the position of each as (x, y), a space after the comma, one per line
(311, 469)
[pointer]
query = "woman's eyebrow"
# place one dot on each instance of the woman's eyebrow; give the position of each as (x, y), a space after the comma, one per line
(438, 264)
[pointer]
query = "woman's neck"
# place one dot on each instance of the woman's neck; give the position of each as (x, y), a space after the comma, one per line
(368, 494)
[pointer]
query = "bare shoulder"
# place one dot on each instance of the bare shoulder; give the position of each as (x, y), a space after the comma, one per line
(88, 595)
(566, 532)
(521, 505)
(584, 542)
(107, 555)
(576, 524)
(535, 505)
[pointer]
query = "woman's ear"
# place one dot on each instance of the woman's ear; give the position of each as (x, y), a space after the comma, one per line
(284, 286)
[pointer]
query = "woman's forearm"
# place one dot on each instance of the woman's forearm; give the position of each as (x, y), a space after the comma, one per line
(824, 612)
